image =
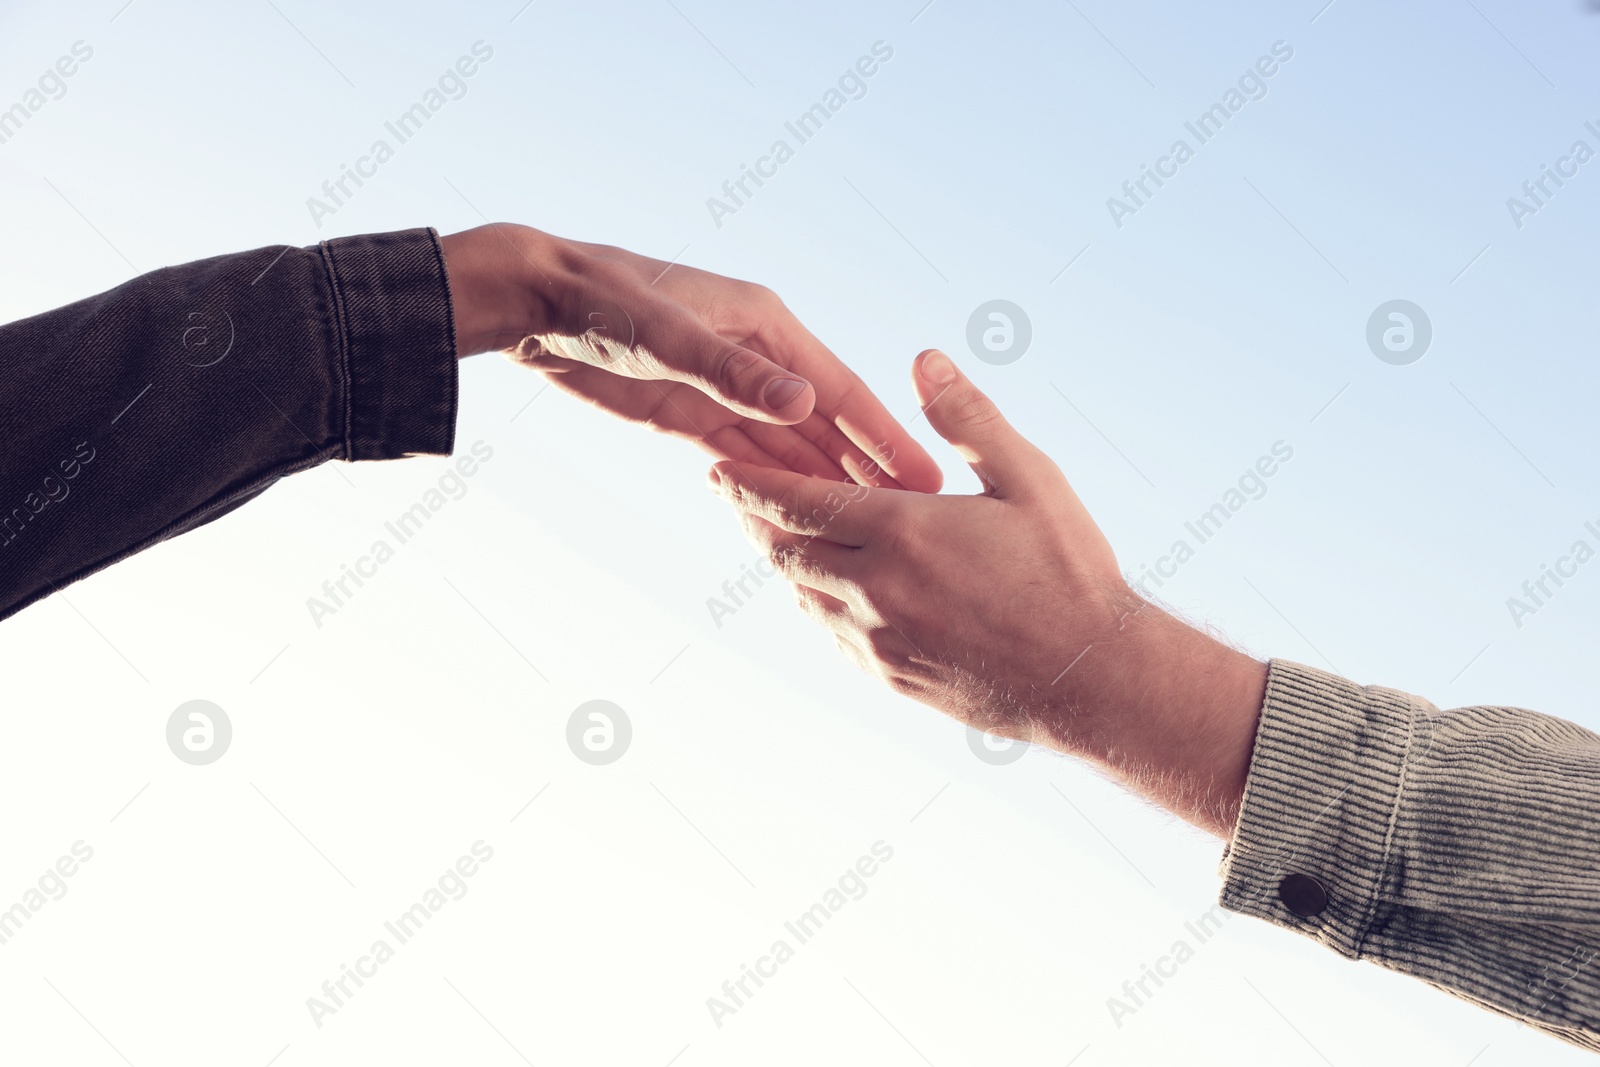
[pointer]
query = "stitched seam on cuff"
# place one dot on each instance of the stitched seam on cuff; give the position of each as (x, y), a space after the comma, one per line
(342, 332)
(450, 327)
(449, 293)
(1389, 832)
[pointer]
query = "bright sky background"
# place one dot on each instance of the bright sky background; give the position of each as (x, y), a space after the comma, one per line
(368, 755)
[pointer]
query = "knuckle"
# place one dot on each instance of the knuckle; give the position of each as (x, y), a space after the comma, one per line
(789, 558)
(790, 511)
(786, 507)
(975, 411)
(902, 685)
(762, 295)
(889, 605)
(806, 598)
(849, 650)
(813, 603)
(731, 367)
(759, 537)
(770, 543)
(888, 648)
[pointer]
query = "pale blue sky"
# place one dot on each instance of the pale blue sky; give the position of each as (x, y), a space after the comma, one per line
(1223, 317)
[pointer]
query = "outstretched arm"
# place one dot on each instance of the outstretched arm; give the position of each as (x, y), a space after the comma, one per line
(141, 413)
(1458, 847)
(1007, 611)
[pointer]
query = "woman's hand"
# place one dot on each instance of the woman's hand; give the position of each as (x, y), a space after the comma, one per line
(717, 361)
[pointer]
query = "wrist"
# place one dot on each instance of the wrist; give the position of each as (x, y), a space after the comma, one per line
(502, 285)
(1216, 694)
(1169, 711)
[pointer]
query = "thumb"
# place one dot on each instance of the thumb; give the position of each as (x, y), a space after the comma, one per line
(736, 376)
(1005, 461)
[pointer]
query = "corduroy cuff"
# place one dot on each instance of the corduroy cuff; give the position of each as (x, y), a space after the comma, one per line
(1312, 847)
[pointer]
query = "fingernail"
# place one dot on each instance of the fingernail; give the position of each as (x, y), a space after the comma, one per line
(780, 393)
(714, 480)
(937, 368)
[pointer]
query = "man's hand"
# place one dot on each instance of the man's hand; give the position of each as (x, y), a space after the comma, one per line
(1007, 610)
(717, 361)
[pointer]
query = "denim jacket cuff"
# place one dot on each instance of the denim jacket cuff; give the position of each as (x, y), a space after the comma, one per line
(397, 349)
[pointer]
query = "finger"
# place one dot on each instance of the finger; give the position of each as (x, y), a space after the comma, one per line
(969, 420)
(857, 464)
(733, 444)
(840, 459)
(852, 651)
(739, 377)
(812, 562)
(836, 616)
(844, 399)
(795, 450)
(824, 608)
(668, 407)
(683, 411)
(842, 512)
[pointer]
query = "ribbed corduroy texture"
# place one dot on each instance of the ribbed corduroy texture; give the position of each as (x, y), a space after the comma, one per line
(163, 404)
(1460, 847)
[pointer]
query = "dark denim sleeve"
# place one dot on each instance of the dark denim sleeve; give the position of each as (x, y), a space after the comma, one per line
(141, 413)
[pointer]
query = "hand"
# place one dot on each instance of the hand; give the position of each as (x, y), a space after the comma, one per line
(1007, 610)
(720, 362)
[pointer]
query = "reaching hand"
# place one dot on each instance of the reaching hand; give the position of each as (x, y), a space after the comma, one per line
(717, 361)
(1007, 610)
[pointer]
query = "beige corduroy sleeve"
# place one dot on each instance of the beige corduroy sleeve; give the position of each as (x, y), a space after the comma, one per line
(1460, 847)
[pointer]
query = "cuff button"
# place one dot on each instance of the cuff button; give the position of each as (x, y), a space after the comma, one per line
(1303, 895)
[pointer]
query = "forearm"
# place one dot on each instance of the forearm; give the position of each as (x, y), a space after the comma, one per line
(163, 404)
(1168, 711)
(1456, 847)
